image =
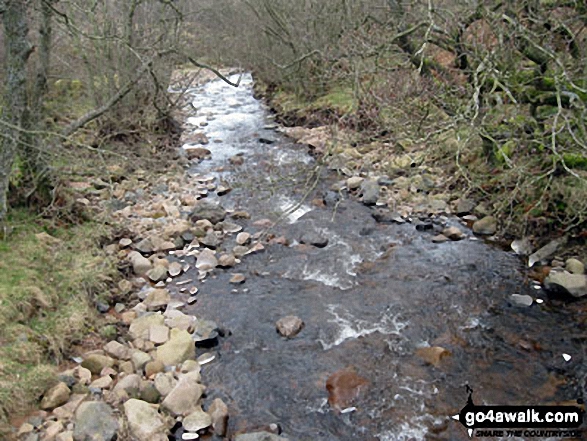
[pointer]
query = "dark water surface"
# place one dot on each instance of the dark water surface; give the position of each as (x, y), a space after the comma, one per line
(369, 300)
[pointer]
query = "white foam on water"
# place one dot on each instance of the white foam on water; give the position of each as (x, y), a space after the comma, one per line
(416, 430)
(319, 276)
(286, 204)
(351, 327)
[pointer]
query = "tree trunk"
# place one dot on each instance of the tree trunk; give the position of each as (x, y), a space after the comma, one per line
(34, 154)
(18, 50)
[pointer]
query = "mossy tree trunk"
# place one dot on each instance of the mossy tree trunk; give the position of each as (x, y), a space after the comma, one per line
(18, 50)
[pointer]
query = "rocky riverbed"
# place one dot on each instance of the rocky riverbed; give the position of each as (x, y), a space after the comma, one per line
(274, 296)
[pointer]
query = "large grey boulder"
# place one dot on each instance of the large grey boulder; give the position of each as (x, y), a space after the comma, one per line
(95, 421)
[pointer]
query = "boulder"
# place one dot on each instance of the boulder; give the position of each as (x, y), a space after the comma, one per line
(179, 348)
(95, 421)
(562, 281)
(185, 396)
(140, 327)
(145, 423)
(575, 266)
(55, 396)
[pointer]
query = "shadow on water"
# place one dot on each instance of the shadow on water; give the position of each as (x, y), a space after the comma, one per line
(369, 299)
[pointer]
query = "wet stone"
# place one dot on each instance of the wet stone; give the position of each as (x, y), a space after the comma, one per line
(289, 326)
(314, 238)
(344, 387)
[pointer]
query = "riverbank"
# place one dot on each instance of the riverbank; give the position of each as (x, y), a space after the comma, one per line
(380, 321)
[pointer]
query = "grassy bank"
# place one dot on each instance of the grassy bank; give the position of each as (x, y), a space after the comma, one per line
(49, 278)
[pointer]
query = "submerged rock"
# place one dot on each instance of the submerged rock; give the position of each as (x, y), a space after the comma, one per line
(344, 387)
(432, 355)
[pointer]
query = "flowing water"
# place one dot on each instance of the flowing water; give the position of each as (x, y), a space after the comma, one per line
(369, 299)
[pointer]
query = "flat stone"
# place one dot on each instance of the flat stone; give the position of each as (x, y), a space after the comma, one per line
(237, 278)
(289, 326)
(140, 327)
(144, 421)
(55, 396)
(197, 152)
(157, 299)
(159, 334)
(227, 260)
(197, 420)
(130, 384)
(165, 383)
(102, 382)
(184, 398)
(145, 246)
(153, 368)
(440, 238)
(354, 182)
(157, 274)
(179, 348)
(521, 300)
(95, 421)
(178, 320)
(206, 260)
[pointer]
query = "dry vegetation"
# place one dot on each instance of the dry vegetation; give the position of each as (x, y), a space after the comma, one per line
(496, 91)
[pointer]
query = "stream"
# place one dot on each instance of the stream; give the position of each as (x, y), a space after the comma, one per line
(370, 300)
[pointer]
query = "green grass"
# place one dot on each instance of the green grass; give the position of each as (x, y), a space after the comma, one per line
(46, 292)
